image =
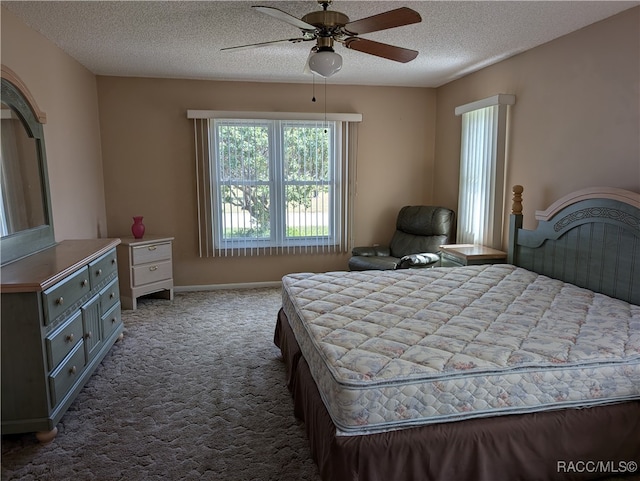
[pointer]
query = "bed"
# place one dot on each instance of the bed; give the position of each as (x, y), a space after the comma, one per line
(526, 370)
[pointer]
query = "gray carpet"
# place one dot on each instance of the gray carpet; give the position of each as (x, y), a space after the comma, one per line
(195, 391)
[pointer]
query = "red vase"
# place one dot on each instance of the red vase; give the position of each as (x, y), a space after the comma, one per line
(137, 229)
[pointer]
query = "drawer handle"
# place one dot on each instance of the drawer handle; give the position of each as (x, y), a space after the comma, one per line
(89, 335)
(113, 261)
(69, 337)
(112, 295)
(60, 301)
(99, 272)
(113, 320)
(72, 370)
(152, 248)
(84, 283)
(153, 268)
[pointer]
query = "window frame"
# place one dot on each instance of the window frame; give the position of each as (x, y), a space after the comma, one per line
(490, 148)
(277, 183)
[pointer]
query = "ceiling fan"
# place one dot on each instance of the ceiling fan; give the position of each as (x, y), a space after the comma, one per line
(329, 26)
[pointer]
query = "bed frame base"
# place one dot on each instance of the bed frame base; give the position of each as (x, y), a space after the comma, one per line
(511, 447)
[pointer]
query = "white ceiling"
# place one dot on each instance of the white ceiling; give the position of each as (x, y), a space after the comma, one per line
(182, 39)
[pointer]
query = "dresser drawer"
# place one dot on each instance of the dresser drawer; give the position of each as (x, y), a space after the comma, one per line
(58, 298)
(109, 296)
(151, 253)
(62, 379)
(110, 321)
(60, 342)
(102, 268)
(149, 273)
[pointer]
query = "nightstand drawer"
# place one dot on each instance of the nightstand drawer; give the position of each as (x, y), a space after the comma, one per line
(102, 268)
(62, 379)
(151, 253)
(447, 260)
(64, 294)
(149, 273)
(63, 340)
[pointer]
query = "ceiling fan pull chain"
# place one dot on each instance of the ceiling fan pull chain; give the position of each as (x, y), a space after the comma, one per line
(313, 99)
(325, 105)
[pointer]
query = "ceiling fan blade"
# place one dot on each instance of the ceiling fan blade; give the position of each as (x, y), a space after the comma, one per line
(263, 44)
(285, 17)
(378, 49)
(391, 19)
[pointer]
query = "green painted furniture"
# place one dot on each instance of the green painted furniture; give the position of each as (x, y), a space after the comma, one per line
(590, 238)
(60, 302)
(27, 222)
(60, 316)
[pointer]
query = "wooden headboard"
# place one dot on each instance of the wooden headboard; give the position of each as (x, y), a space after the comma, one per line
(590, 238)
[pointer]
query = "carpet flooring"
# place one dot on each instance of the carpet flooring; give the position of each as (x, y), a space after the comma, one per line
(194, 391)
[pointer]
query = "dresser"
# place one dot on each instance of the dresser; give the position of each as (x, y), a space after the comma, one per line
(145, 266)
(455, 255)
(60, 316)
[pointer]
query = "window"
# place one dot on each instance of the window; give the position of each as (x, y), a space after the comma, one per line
(272, 185)
(277, 183)
(482, 171)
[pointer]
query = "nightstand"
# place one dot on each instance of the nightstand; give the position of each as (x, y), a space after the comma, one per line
(457, 255)
(145, 266)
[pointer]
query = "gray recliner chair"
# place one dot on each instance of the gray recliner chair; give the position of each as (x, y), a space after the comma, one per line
(420, 231)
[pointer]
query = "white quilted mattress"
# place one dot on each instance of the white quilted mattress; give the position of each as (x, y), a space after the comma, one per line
(391, 349)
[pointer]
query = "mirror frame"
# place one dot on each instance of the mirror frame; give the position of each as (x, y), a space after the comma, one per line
(23, 243)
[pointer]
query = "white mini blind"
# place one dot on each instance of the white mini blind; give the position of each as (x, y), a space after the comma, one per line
(203, 187)
(482, 170)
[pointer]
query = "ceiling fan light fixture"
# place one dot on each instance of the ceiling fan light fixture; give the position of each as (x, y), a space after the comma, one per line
(325, 62)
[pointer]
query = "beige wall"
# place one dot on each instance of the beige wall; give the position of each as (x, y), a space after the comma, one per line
(575, 123)
(147, 147)
(66, 92)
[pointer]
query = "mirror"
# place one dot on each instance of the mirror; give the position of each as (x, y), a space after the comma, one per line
(25, 209)
(22, 205)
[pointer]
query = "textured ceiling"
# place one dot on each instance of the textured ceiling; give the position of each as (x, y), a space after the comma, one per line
(182, 39)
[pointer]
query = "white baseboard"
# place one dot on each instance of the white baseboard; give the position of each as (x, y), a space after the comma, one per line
(217, 287)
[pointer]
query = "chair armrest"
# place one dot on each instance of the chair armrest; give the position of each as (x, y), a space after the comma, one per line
(419, 260)
(370, 251)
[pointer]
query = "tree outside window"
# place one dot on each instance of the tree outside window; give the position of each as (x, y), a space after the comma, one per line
(275, 181)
